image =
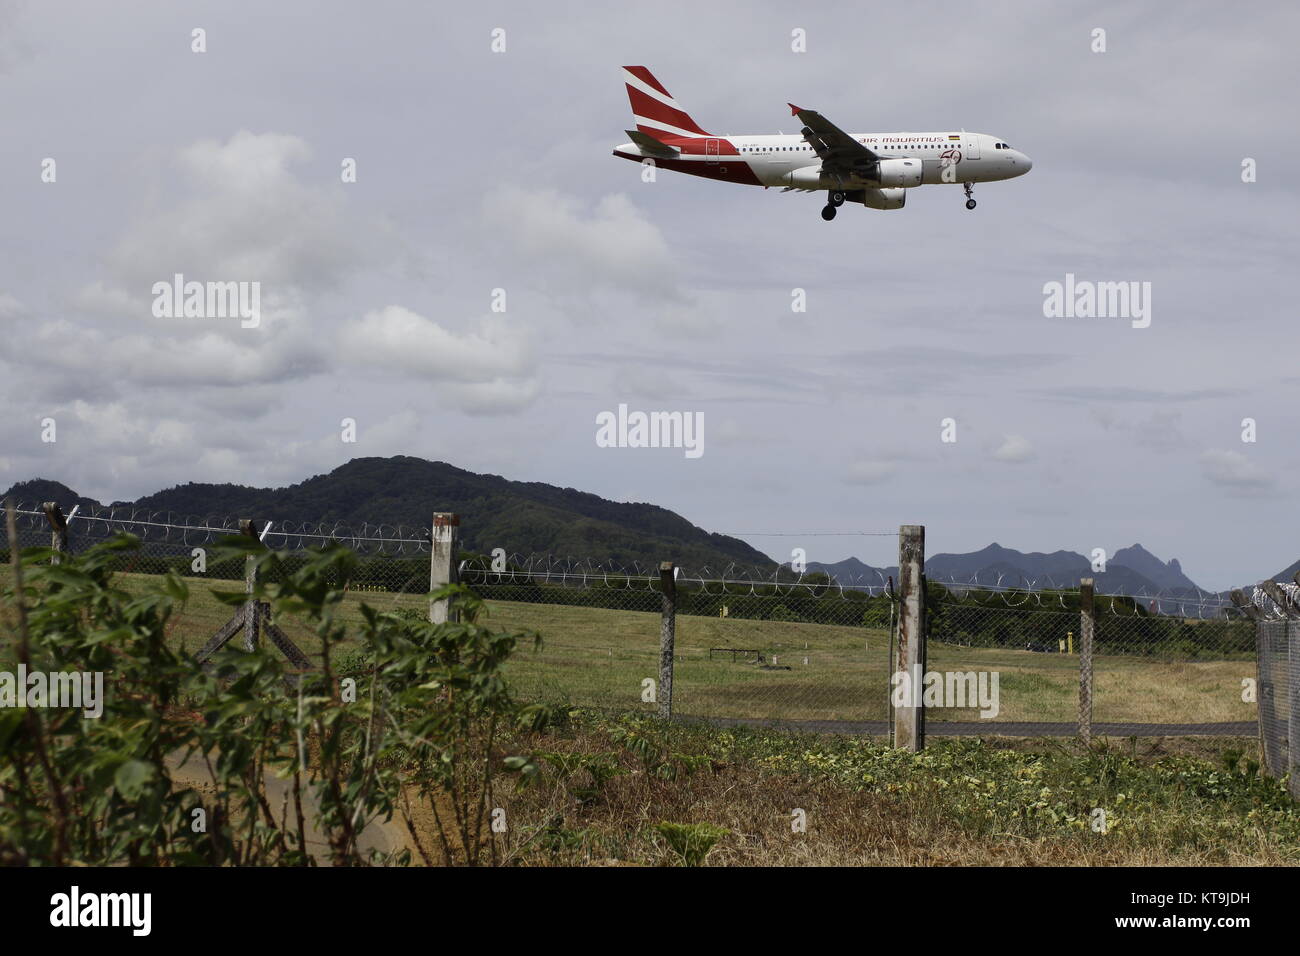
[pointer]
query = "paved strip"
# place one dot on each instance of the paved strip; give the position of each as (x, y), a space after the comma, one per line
(986, 728)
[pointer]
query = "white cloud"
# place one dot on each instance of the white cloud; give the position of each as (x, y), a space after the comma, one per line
(490, 368)
(257, 163)
(1014, 449)
(870, 471)
(612, 246)
(1235, 472)
(10, 308)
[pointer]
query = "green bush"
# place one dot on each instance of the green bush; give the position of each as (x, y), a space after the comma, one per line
(419, 707)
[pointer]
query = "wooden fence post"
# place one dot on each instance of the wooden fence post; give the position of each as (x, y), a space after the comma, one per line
(667, 637)
(1087, 624)
(909, 660)
(442, 563)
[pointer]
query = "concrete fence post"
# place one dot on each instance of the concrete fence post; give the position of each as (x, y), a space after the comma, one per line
(443, 568)
(667, 637)
(1087, 626)
(1266, 665)
(1293, 706)
(1290, 628)
(58, 530)
(909, 657)
(252, 619)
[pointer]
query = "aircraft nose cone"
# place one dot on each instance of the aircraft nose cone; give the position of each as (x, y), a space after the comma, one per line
(1026, 162)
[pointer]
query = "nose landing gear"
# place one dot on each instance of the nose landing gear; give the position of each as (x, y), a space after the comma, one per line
(970, 203)
(828, 212)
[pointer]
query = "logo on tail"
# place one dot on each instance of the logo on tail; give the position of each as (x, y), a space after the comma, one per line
(654, 109)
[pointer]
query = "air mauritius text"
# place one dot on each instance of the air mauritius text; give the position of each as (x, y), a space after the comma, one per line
(651, 430)
(947, 689)
(84, 692)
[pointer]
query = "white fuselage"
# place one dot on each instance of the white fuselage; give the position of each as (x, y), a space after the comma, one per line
(788, 160)
(975, 157)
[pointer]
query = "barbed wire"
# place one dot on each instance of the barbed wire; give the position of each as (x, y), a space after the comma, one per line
(522, 569)
(374, 539)
(807, 534)
(183, 530)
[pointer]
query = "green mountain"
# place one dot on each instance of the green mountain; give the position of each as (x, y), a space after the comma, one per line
(521, 517)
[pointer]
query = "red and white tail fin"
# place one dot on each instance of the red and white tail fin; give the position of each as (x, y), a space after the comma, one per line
(653, 107)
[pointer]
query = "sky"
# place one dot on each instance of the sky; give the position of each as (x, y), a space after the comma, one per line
(482, 170)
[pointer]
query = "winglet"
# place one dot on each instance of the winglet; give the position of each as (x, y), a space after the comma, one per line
(794, 110)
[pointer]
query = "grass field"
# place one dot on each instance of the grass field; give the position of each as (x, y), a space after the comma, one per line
(612, 784)
(989, 802)
(598, 657)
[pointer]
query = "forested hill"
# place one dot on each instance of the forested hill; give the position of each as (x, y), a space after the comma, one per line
(521, 517)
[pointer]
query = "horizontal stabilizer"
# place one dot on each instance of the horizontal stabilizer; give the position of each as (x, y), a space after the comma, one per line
(649, 144)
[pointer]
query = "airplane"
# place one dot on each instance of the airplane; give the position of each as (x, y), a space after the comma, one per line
(875, 169)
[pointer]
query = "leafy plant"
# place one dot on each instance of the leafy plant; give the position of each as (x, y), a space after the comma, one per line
(415, 712)
(690, 841)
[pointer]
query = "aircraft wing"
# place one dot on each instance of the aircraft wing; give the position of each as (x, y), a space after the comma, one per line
(839, 152)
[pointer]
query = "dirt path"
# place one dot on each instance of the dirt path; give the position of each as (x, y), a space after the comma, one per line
(378, 835)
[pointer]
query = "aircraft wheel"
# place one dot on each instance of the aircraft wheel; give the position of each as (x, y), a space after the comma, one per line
(836, 198)
(970, 204)
(828, 213)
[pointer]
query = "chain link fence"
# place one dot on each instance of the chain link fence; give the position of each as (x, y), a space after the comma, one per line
(744, 649)
(392, 570)
(750, 646)
(1147, 668)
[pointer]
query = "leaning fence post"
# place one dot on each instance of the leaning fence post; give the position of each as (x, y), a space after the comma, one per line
(1087, 623)
(443, 569)
(667, 637)
(909, 662)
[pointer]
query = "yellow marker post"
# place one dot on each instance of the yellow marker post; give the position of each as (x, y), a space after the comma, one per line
(1069, 639)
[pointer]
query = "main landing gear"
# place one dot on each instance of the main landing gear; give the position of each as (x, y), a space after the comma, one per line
(970, 203)
(834, 200)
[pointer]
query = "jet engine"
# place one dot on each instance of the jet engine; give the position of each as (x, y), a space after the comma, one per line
(879, 198)
(898, 172)
(809, 177)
